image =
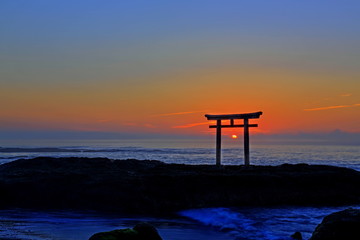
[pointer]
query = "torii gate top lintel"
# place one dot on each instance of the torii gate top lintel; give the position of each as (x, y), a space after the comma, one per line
(234, 116)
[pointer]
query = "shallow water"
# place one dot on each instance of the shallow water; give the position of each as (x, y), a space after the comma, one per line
(68, 225)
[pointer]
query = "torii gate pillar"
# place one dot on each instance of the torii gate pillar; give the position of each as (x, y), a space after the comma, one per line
(246, 126)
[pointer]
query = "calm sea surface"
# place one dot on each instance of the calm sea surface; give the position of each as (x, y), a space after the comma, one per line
(215, 223)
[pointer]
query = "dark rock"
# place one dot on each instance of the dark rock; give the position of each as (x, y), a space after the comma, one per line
(153, 187)
(343, 225)
(142, 231)
(297, 236)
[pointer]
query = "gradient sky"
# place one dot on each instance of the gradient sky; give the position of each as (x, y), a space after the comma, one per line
(158, 66)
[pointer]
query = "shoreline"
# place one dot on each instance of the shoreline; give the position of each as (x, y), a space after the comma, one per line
(155, 188)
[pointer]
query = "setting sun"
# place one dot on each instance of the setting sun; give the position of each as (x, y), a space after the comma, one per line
(234, 136)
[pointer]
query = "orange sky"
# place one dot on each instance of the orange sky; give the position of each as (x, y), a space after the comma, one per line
(176, 103)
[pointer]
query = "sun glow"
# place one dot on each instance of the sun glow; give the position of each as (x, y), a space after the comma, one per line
(234, 136)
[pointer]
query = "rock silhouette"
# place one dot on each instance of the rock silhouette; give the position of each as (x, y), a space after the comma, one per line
(153, 187)
(141, 231)
(343, 225)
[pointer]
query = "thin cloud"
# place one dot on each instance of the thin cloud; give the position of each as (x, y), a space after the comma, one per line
(133, 124)
(332, 107)
(192, 125)
(177, 113)
(345, 95)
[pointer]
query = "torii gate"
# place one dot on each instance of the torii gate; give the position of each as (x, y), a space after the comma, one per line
(231, 117)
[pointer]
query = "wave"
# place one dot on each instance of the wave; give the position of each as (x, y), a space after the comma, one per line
(13, 157)
(100, 150)
(274, 223)
(223, 219)
(239, 225)
(168, 155)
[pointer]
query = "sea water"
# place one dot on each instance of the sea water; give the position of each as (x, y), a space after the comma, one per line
(185, 151)
(276, 223)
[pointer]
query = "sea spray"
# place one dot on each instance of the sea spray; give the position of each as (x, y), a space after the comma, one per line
(221, 218)
(224, 219)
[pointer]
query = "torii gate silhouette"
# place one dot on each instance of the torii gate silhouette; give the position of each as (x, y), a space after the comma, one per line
(246, 126)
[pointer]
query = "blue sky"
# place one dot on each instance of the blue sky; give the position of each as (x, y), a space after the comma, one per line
(93, 35)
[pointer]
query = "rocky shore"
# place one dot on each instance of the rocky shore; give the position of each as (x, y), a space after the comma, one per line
(153, 187)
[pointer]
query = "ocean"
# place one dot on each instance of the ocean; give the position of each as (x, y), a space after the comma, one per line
(276, 223)
(185, 151)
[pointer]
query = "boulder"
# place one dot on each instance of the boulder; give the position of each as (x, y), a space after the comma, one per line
(297, 236)
(142, 231)
(343, 225)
